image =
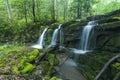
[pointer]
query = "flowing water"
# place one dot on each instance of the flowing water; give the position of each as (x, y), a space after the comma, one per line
(68, 68)
(86, 36)
(40, 43)
(86, 39)
(55, 36)
(61, 38)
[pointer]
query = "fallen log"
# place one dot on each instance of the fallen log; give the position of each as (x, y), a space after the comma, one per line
(44, 55)
(106, 66)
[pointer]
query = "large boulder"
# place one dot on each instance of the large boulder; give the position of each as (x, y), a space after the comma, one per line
(106, 31)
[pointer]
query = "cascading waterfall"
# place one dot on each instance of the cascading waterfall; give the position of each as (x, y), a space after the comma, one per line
(61, 38)
(86, 39)
(86, 36)
(55, 36)
(40, 42)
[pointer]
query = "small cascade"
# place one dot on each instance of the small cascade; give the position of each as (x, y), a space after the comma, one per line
(86, 36)
(86, 39)
(55, 36)
(61, 38)
(40, 42)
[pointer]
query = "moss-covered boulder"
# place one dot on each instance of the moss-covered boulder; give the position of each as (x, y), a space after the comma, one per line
(20, 61)
(106, 29)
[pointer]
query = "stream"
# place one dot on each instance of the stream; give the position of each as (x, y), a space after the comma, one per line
(67, 69)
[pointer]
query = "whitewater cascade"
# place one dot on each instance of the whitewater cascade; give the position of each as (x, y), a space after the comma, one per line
(86, 36)
(86, 39)
(61, 38)
(55, 36)
(40, 42)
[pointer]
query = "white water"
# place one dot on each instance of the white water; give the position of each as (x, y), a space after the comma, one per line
(61, 38)
(85, 39)
(55, 36)
(40, 42)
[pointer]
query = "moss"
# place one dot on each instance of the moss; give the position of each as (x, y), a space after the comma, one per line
(98, 59)
(13, 62)
(51, 71)
(51, 59)
(47, 77)
(2, 64)
(15, 70)
(32, 58)
(116, 65)
(3, 47)
(45, 66)
(33, 55)
(55, 78)
(20, 61)
(28, 68)
(35, 52)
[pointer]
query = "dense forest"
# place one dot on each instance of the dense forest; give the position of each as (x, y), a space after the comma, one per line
(27, 11)
(19, 16)
(59, 39)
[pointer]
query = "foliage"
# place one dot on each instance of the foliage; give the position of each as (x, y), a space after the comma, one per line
(55, 78)
(28, 22)
(3, 47)
(116, 65)
(20, 60)
(22, 28)
(51, 59)
(98, 59)
(105, 6)
(27, 68)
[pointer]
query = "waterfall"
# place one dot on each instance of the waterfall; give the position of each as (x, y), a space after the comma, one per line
(86, 36)
(40, 42)
(61, 38)
(55, 36)
(86, 39)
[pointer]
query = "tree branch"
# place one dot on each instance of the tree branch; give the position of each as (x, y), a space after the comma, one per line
(106, 66)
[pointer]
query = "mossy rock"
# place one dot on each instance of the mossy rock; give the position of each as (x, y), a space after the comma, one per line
(116, 65)
(45, 66)
(55, 78)
(51, 59)
(34, 54)
(15, 70)
(3, 47)
(27, 68)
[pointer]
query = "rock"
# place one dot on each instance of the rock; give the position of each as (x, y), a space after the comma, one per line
(106, 29)
(11, 77)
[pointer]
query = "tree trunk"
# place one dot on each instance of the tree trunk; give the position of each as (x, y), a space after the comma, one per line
(25, 10)
(53, 10)
(106, 66)
(79, 9)
(9, 10)
(33, 10)
(65, 10)
(57, 10)
(46, 52)
(38, 9)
